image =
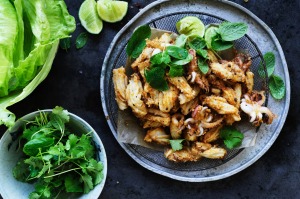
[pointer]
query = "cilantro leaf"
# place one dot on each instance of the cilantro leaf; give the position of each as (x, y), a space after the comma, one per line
(63, 114)
(231, 136)
(176, 52)
(156, 78)
(88, 183)
(137, 42)
(269, 59)
(73, 185)
(20, 171)
(176, 144)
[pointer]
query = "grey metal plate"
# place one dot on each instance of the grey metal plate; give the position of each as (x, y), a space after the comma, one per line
(164, 14)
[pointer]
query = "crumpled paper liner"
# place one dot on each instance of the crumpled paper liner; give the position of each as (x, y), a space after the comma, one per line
(130, 130)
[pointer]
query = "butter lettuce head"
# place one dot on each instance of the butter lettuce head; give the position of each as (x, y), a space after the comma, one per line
(30, 31)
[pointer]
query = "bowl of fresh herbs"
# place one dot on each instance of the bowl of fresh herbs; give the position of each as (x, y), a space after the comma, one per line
(52, 154)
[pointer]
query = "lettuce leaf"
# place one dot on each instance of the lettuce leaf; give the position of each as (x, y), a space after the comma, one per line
(29, 36)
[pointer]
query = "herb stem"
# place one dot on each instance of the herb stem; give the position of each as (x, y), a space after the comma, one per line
(62, 172)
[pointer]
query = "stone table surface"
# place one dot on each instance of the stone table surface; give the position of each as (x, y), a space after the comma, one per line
(74, 84)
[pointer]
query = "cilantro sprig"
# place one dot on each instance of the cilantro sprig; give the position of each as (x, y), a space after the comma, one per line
(231, 136)
(57, 160)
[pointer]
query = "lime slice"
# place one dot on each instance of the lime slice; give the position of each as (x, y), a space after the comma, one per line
(191, 26)
(112, 11)
(210, 32)
(89, 18)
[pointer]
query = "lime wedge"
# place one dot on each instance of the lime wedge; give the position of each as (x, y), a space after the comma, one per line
(210, 32)
(89, 18)
(112, 11)
(191, 26)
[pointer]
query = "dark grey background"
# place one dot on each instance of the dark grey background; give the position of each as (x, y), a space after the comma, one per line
(74, 84)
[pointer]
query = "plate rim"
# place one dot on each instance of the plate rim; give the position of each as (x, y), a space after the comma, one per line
(236, 170)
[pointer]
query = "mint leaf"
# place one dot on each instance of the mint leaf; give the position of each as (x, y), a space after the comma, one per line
(232, 31)
(65, 43)
(181, 40)
(203, 53)
(197, 43)
(185, 61)
(176, 144)
(160, 58)
(231, 136)
(277, 87)
(219, 45)
(137, 42)
(81, 40)
(269, 59)
(156, 78)
(203, 66)
(32, 147)
(176, 71)
(176, 52)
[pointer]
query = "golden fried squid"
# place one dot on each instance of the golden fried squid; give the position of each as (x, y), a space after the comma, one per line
(196, 106)
(120, 83)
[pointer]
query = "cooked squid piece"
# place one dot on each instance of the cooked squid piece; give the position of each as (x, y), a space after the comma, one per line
(151, 95)
(134, 93)
(228, 71)
(195, 152)
(220, 105)
(177, 125)
(157, 116)
(167, 99)
(252, 105)
(249, 81)
(120, 81)
(243, 61)
(158, 135)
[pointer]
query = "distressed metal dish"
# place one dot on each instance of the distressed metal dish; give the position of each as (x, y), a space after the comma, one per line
(260, 39)
(10, 154)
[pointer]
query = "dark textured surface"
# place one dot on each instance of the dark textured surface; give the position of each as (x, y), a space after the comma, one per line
(74, 84)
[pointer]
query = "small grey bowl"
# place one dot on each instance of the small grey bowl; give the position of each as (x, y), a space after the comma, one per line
(9, 155)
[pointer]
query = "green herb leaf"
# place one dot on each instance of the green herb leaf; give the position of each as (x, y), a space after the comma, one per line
(203, 66)
(65, 43)
(156, 78)
(32, 147)
(73, 185)
(176, 52)
(232, 31)
(181, 40)
(63, 114)
(231, 136)
(185, 61)
(269, 59)
(88, 183)
(203, 53)
(81, 40)
(160, 58)
(137, 42)
(277, 87)
(197, 43)
(176, 144)
(176, 71)
(219, 45)
(20, 171)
